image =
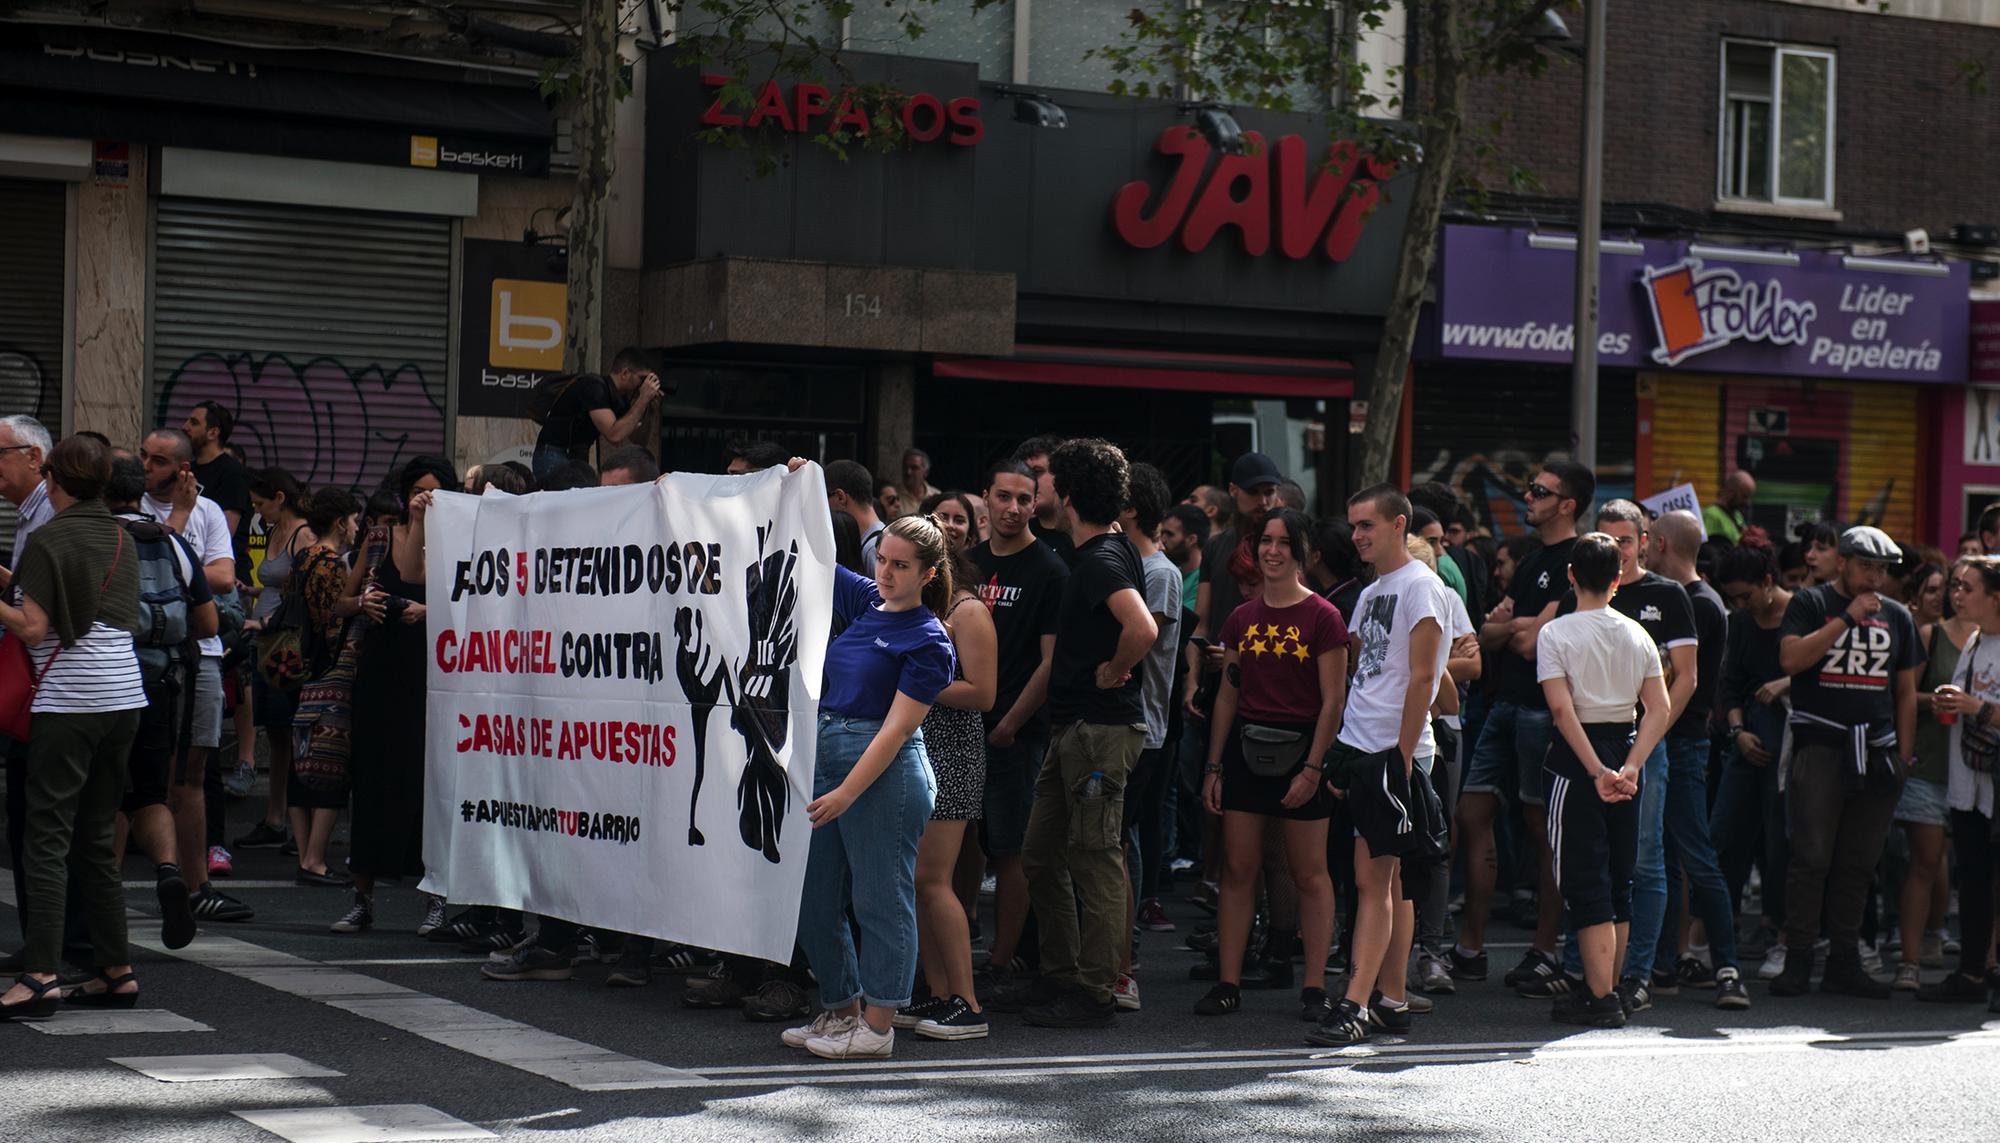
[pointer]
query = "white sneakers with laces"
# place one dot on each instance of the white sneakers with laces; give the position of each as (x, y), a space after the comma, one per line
(825, 1024)
(856, 1041)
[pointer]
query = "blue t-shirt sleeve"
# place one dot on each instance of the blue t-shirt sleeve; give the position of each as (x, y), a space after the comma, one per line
(852, 594)
(927, 664)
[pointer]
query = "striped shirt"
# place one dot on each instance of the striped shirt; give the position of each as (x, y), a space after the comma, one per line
(99, 673)
(33, 513)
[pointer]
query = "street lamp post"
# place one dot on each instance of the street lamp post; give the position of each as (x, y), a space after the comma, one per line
(1590, 195)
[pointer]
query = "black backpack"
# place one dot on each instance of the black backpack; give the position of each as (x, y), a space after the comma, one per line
(164, 640)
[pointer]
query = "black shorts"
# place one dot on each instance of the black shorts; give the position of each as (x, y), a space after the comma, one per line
(1593, 843)
(1247, 793)
(1378, 800)
(151, 765)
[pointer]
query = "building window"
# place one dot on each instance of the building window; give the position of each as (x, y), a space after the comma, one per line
(1777, 125)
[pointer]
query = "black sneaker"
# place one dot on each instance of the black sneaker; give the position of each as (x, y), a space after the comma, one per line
(1348, 1024)
(495, 938)
(1315, 1006)
(263, 835)
(917, 1011)
(359, 917)
(1536, 965)
(1589, 1011)
(1664, 983)
(1845, 977)
(635, 965)
(1073, 1009)
(1729, 990)
(1797, 977)
(776, 1001)
(1221, 1000)
(212, 904)
(954, 1021)
(465, 925)
(177, 926)
(1635, 994)
(1954, 989)
(683, 960)
(327, 880)
(532, 962)
(1550, 988)
(1389, 1019)
(1694, 974)
(719, 989)
(1272, 974)
(1203, 942)
(1023, 993)
(1464, 966)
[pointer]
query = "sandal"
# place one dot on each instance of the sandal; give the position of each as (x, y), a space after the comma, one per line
(110, 997)
(44, 1004)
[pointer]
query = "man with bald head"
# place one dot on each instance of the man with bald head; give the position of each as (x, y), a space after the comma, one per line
(1673, 543)
(1727, 518)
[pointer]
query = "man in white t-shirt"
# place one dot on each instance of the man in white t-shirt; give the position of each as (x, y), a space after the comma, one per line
(1400, 650)
(1594, 665)
(174, 498)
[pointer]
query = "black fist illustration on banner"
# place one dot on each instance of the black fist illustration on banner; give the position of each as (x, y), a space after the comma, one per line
(762, 692)
(701, 680)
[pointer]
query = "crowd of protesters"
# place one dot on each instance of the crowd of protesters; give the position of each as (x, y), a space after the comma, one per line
(1685, 756)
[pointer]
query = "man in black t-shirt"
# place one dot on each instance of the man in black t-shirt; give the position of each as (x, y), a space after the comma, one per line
(1673, 547)
(1507, 760)
(222, 477)
(1021, 583)
(1854, 659)
(1073, 856)
(593, 407)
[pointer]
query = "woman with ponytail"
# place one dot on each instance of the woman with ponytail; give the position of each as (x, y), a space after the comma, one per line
(873, 789)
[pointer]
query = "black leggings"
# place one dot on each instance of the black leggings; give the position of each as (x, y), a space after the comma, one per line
(1594, 843)
(1978, 861)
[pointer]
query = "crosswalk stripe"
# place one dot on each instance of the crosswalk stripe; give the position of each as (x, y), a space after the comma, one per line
(383, 1123)
(74, 1021)
(203, 1069)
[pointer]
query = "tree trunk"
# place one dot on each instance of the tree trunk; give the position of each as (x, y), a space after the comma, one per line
(1444, 113)
(596, 111)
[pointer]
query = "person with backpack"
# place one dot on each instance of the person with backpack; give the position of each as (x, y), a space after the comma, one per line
(176, 608)
(577, 409)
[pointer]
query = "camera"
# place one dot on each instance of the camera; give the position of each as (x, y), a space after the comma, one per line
(393, 608)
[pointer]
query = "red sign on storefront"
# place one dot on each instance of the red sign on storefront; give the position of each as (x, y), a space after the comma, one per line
(809, 108)
(1986, 343)
(1277, 180)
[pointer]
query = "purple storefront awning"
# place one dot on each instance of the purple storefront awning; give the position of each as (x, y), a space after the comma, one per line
(1681, 305)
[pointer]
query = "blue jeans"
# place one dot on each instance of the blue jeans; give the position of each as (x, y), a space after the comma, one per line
(866, 859)
(1649, 875)
(1749, 823)
(547, 460)
(1690, 849)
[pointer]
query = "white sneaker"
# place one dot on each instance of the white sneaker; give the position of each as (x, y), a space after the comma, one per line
(856, 1041)
(1126, 993)
(1774, 963)
(824, 1024)
(1871, 959)
(1907, 978)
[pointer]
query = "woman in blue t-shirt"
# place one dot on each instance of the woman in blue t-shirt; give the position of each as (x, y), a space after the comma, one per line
(873, 790)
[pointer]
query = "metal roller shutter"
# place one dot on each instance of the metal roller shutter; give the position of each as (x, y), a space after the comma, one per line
(32, 267)
(1687, 422)
(325, 331)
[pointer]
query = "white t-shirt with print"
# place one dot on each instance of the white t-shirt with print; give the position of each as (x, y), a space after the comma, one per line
(208, 534)
(1388, 610)
(1606, 658)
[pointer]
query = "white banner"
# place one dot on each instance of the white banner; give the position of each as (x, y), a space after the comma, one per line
(1679, 498)
(623, 691)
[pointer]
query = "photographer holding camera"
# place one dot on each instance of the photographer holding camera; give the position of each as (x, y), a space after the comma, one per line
(577, 410)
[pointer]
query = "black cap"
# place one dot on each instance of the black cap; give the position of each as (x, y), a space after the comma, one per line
(1254, 468)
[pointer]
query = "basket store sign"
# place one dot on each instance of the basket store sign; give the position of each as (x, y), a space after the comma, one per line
(514, 303)
(1685, 306)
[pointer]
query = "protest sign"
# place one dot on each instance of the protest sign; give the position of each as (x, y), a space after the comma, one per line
(624, 684)
(1679, 498)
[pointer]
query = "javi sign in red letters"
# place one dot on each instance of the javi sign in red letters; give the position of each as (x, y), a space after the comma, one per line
(805, 110)
(1246, 190)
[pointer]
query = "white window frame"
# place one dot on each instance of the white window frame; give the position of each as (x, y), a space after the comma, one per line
(1722, 157)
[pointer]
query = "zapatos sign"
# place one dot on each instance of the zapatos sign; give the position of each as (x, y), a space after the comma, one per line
(812, 109)
(1269, 191)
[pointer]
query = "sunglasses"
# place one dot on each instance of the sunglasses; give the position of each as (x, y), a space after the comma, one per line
(1539, 492)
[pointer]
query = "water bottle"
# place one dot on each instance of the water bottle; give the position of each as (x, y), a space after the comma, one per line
(1093, 785)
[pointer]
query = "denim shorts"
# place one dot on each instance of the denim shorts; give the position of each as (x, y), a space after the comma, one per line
(1922, 803)
(1507, 761)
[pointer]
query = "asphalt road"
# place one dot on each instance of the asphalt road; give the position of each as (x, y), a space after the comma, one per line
(401, 1021)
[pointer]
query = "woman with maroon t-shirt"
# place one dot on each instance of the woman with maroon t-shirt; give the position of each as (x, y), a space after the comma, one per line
(1284, 683)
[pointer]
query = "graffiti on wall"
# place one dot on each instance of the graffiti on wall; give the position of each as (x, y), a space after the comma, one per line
(325, 421)
(21, 380)
(1491, 482)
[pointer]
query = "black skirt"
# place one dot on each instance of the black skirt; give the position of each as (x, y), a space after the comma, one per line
(1247, 793)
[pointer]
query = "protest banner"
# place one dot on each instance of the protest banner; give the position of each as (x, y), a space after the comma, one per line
(624, 684)
(1679, 498)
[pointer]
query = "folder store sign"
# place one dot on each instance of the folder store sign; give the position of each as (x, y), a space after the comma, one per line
(1682, 305)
